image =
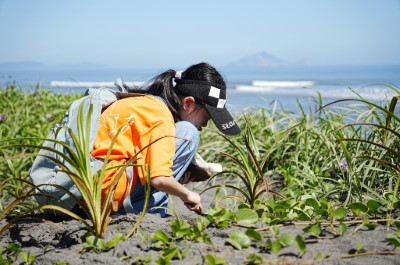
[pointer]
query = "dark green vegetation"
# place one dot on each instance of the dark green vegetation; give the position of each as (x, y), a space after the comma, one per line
(335, 167)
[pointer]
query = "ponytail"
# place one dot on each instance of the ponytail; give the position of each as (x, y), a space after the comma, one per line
(162, 86)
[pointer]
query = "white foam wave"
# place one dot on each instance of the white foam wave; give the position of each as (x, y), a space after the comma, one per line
(372, 93)
(283, 83)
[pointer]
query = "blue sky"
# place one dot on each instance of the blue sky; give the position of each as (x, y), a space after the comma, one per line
(128, 33)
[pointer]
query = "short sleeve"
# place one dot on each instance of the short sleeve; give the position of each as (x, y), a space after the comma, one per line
(161, 149)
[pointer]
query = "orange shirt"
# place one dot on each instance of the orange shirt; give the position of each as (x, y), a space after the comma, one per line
(143, 119)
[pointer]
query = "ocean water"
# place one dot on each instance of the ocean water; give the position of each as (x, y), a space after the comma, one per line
(248, 89)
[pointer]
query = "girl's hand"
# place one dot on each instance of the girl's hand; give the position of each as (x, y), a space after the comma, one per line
(192, 202)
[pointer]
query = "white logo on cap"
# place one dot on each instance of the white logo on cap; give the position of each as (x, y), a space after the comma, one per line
(215, 93)
(228, 125)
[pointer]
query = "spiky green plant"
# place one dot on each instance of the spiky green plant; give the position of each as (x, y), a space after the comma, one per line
(252, 166)
(89, 184)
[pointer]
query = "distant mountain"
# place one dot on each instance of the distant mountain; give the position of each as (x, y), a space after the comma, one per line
(257, 60)
(22, 65)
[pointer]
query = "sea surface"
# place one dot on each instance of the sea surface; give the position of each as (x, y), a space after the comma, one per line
(248, 89)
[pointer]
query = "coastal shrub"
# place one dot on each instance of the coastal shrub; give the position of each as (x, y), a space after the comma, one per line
(345, 151)
(24, 115)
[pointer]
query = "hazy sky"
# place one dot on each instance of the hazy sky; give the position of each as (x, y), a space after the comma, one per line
(130, 33)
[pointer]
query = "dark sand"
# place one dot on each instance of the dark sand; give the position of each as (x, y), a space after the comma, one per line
(61, 241)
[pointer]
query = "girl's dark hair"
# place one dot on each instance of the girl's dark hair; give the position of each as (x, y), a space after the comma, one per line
(162, 84)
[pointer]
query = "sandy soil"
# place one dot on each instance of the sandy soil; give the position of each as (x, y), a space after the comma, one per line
(54, 241)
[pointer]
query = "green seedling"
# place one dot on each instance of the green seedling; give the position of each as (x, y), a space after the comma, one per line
(220, 217)
(212, 260)
(169, 254)
(274, 245)
(163, 261)
(181, 228)
(172, 253)
(140, 260)
(254, 259)
(99, 245)
(278, 211)
(279, 240)
(320, 257)
(359, 248)
(13, 252)
(198, 230)
(161, 239)
(28, 258)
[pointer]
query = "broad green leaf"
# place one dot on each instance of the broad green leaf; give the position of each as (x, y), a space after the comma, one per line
(102, 245)
(239, 239)
(368, 224)
(160, 236)
(285, 239)
(313, 203)
(14, 247)
(397, 224)
(373, 205)
(202, 223)
(314, 229)
(180, 228)
(90, 241)
(211, 260)
(343, 228)
(170, 253)
(301, 245)
(358, 208)
(340, 213)
(142, 260)
(274, 245)
(246, 217)
(393, 240)
(163, 261)
(247, 206)
(254, 234)
(112, 243)
(275, 230)
(27, 257)
(303, 216)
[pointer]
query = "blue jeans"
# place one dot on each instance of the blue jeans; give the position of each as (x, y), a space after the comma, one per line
(186, 145)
